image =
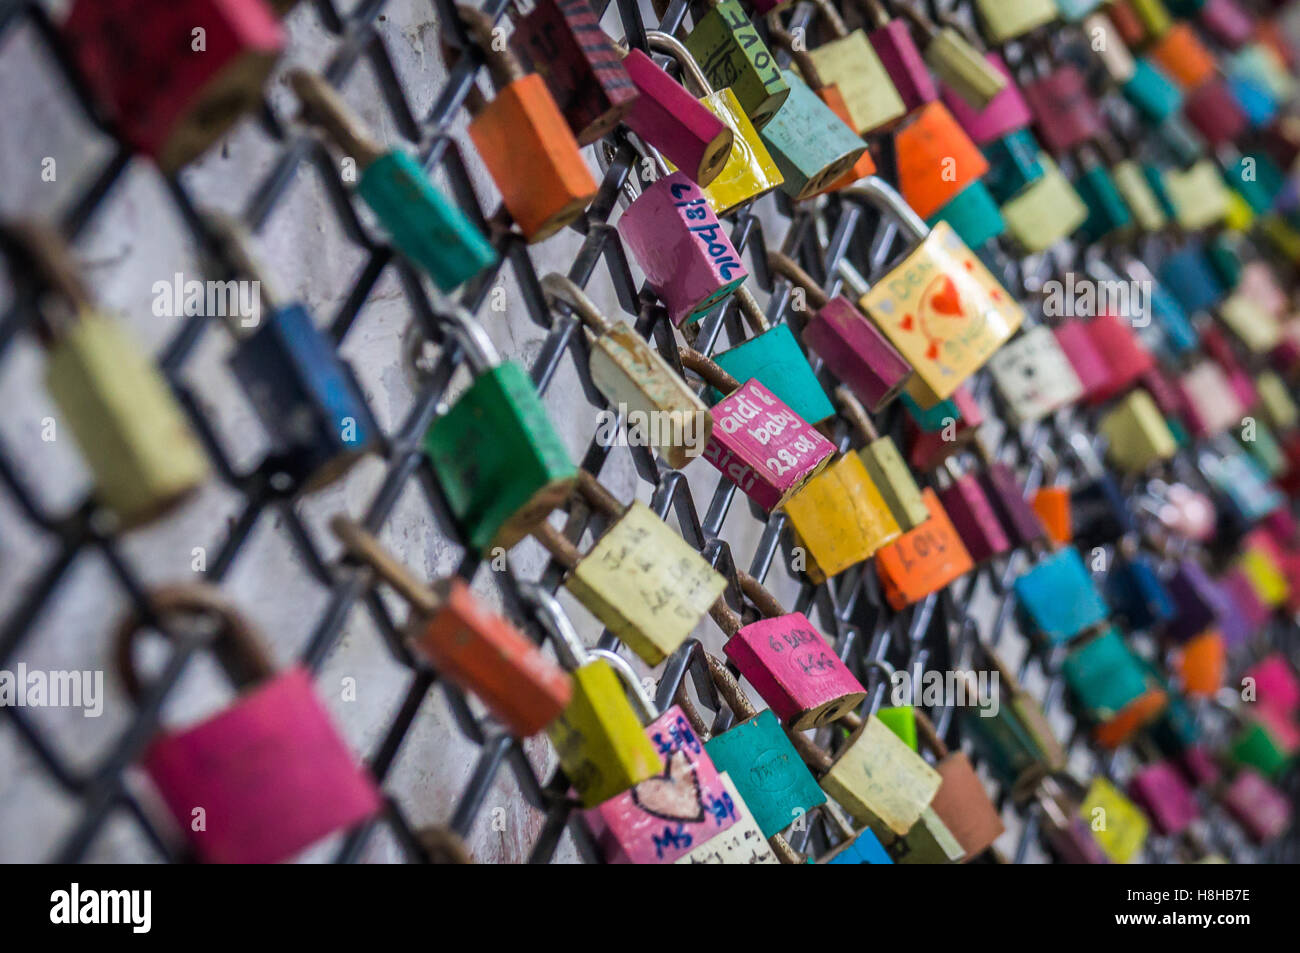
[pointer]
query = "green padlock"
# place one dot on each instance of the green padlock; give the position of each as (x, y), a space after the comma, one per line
(1108, 215)
(127, 424)
(424, 226)
(973, 215)
(733, 56)
(501, 464)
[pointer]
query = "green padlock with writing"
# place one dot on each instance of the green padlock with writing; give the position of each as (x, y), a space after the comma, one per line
(733, 56)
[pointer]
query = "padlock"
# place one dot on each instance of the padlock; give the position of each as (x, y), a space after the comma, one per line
(957, 63)
(1134, 590)
(864, 848)
(640, 578)
(1076, 10)
(972, 514)
(811, 142)
(1138, 437)
(1276, 401)
(635, 378)
(961, 802)
(936, 160)
(1099, 511)
(901, 720)
(271, 773)
(749, 171)
(1262, 63)
(477, 649)
(1115, 692)
(524, 141)
(1183, 57)
(1188, 276)
(1198, 194)
(688, 260)
(1165, 797)
(431, 231)
(1155, 95)
(1067, 828)
(1210, 405)
(1254, 99)
(167, 102)
(1109, 217)
(1034, 376)
(807, 162)
(850, 346)
(851, 63)
(1227, 22)
(923, 560)
(665, 817)
(1127, 23)
(772, 357)
(930, 841)
(1275, 684)
(840, 518)
(1003, 743)
(1114, 339)
(1154, 16)
(499, 489)
(758, 443)
(1052, 504)
(1059, 598)
(927, 449)
(1006, 495)
(1006, 113)
(675, 123)
(305, 395)
(1148, 214)
(733, 56)
(1261, 809)
(741, 843)
(758, 756)
(1046, 751)
(561, 41)
(1015, 163)
(788, 662)
(1260, 561)
(123, 416)
(1199, 601)
(941, 307)
(1110, 50)
(1266, 741)
(1065, 113)
(1117, 824)
(1214, 112)
(1046, 212)
(1245, 601)
(600, 738)
(1253, 326)
(973, 214)
(1005, 20)
(893, 43)
(885, 466)
(1201, 664)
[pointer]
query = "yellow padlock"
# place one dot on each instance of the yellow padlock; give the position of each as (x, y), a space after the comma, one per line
(1259, 330)
(1117, 824)
(851, 64)
(1007, 19)
(1275, 398)
(1199, 197)
(1045, 212)
(1139, 196)
(1264, 575)
(1137, 433)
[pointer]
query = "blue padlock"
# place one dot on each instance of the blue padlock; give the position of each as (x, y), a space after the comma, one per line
(1058, 598)
(1190, 278)
(864, 849)
(1255, 100)
(1135, 591)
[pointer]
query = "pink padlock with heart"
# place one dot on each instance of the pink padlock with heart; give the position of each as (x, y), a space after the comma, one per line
(1165, 797)
(270, 775)
(667, 816)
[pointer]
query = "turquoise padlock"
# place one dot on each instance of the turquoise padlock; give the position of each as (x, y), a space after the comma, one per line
(772, 779)
(811, 146)
(1191, 279)
(774, 358)
(1107, 212)
(1257, 179)
(1015, 163)
(1058, 597)
(973, 215)
(1076, 10)
(1154, 94)
(1104, 675)
(863, 849)
(932, 419)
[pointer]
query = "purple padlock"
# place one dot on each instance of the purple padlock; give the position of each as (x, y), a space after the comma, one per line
(1227, 22)
(1199, 767)
(903, 62)
(1165, 797)
(1002, 488)
(1200, 603)
(972, 515)
(1238, 590)
(1007, 113)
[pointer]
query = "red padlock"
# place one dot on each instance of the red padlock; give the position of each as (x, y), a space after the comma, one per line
(1066, 115)
(1126, 359)
(1091, 368)
(1215, 112)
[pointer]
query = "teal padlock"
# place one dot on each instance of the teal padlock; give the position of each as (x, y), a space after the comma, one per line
(501, 465)
(772, 356)
(1015, 163)
(1107, 212)
(1155, 176)
(812, 147)
(1153, 93)
(1257, 179)
(973, 215)
(1076, 10)
(1104, 676)
(932, 419)
(1225, 257)
(1058, 597)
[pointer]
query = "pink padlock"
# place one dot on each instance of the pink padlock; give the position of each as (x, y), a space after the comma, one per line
(1282, 527)
(1276, 684)
(1165, 797)
(1007, 113)
(1163, 390)
(758, 442)
(893, 43)
(270, 774)
(1260, 285)
(1261, 809)
(675, 237)
(789, 664)
(1199, 766)
(972, 515)
(667, 816)
(1065, 113)
(1215, 112)
(1227, 22)
(1126, 359)
(1210, 402)
(674, 122)
(1090, 367)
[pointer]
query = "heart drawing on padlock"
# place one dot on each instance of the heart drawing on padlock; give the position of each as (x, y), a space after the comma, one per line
(940, 304)
(673, 795)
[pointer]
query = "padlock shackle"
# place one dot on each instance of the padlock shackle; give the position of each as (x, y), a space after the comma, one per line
(928, 734)
(503, 66)
(39, 257)
(751, 311)
(854, 282)
(832, 17)
(642, 702)
(785, 266)
(568, 646)
(241, 653)
(757, 593)
(558, 545)
(875, 12)
(713, 375)
(324, 108)
(727, 618)
(481, 353)
(365, 548)
(855, 413)
(230, 241)
(666, 43)
(802, 58)
(874, 191)
(729, 688)
(922, 23)
(560, 289)
(598, 496)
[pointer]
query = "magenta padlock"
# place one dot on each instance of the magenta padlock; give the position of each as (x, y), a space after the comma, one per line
(688, 260)
(849, 344)
(972, 515)
(1260, 808)
(1165, 797)
(1007, 113)
(1227, 22)
(904, 63)
(1091, 368)
(791, 667)
(1002, 489)
(270, 774)
(758, 443)
(1126, 359)
(1215, 112)
(1276, 684)
(1168, 398)
(1281, 525)
(674, 122)
(1066, 115)
(1198, 766)
(667, 816)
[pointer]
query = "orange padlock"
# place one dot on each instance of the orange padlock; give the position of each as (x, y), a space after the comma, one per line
(1052, 505)
(1181, 54)
(923, 560)
(524, 141)
(936, 159)
(1201, 664)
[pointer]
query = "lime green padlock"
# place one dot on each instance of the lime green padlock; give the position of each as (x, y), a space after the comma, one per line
(501, 464)
(733, 56)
